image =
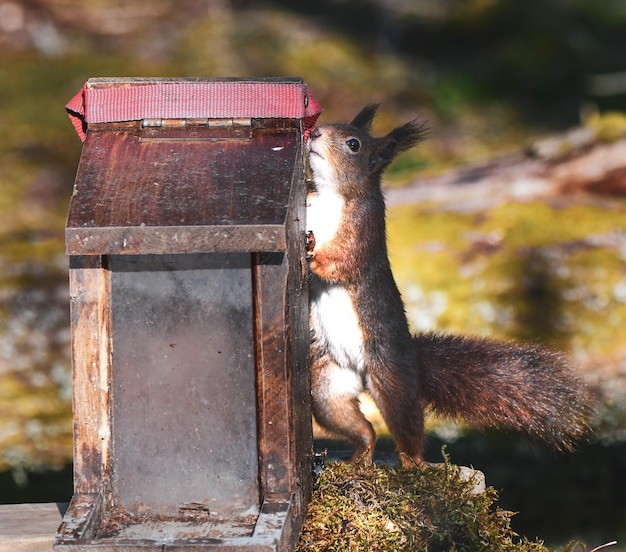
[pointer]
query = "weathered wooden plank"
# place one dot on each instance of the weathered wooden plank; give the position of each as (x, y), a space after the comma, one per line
(29, 527)
(81, 519)
(283, 380)
(141, 183)
(298, 321)
(174, 239)
(273, 374)
(32, 527)
(91, 367)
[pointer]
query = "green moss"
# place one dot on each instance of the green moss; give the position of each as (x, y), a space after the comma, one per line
(609, 126)
(523, 270)
(538, 224)
(35, 422)
(428, 508)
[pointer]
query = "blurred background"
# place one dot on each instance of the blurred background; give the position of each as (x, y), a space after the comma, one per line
(519, 82)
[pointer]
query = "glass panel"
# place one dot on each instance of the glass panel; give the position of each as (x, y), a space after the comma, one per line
(184, 401)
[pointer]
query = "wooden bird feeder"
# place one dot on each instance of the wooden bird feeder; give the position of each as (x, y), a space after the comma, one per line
(189, 316)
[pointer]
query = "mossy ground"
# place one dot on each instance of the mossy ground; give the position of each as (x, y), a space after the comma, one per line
(431, 508)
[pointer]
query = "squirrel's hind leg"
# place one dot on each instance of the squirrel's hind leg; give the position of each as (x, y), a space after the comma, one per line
(403, 414)
(336, 407)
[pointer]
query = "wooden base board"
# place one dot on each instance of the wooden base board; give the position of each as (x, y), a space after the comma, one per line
(29, 527)
(271, 531)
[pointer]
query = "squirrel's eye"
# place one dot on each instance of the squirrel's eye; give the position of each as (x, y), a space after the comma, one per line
(354, 145)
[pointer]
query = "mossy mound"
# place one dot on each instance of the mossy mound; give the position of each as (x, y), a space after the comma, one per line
(430, 508)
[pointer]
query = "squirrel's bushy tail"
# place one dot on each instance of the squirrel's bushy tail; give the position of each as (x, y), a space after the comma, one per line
(503, 385)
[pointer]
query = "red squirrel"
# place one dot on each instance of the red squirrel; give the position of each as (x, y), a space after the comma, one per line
(360, 337)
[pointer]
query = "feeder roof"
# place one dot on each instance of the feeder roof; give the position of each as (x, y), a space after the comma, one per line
(196, 173)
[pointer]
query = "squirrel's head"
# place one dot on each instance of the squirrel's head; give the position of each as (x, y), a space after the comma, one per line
(348, 159)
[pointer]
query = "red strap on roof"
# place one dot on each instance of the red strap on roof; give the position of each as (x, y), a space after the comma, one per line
(101, 101)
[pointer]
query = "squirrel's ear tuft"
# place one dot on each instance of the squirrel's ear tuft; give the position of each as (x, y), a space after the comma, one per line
(399, 139)
(364, 118)
(407, 135)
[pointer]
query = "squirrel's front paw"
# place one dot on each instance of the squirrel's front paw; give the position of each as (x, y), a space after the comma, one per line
(310, 244)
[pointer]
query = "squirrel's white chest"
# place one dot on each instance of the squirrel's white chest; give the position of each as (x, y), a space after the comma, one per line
(323, 214)
(335, 322)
